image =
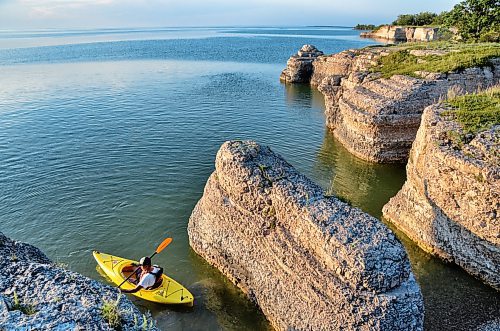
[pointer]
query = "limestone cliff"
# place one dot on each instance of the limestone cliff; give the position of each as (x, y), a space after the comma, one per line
(52, 298)
(377, 118)
(450, 203)
(309, 261)
(405, 33)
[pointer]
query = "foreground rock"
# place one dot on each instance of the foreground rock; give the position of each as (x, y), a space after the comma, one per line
(377, 118)
(450, 203)
(310, 262)
(52, 298)
(299, 66)
(405, 33)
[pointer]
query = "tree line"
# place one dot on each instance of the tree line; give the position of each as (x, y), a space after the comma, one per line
(475, 20)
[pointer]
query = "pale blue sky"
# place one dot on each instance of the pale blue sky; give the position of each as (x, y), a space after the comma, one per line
(28, 14)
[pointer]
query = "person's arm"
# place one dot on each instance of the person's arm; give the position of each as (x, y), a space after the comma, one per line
(136, 289)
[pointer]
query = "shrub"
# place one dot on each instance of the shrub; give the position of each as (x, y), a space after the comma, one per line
(111, 313)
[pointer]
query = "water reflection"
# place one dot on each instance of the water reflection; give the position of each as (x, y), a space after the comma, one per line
(365, 185)
(302, 95)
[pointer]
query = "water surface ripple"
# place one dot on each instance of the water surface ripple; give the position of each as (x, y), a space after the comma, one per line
(107, 144)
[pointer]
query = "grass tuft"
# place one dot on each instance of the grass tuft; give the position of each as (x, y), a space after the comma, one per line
(111, 313)
(475, 112)
(25, 308)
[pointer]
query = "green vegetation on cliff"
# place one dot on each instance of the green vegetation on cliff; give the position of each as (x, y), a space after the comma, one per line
(476, 112)
(455, 57)
(421, 19)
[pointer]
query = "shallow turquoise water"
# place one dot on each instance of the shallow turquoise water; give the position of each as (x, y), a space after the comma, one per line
(108, 137)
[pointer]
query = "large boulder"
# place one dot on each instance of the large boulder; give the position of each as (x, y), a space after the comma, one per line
(311, 262)
(35, 294)
(450, 202)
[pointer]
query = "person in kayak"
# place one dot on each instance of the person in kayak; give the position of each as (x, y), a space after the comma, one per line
(146, 277)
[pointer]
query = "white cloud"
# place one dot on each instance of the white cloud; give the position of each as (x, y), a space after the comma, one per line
(129, 13)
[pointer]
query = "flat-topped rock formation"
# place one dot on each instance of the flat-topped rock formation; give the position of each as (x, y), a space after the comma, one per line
(405, 33)
(377, 118)
(53, 298)
(450, 202)
(300, 65)
(309, 261)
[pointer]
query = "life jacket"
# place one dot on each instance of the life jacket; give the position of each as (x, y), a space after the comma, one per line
(157, 274)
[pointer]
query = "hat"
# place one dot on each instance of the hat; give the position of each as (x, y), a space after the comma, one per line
(146, 260)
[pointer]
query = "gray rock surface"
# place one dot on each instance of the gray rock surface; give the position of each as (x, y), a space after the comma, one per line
(450, 202)
(60, 299)
(309, 261)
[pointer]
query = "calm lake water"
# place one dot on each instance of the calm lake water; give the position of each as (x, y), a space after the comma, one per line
(107, 138)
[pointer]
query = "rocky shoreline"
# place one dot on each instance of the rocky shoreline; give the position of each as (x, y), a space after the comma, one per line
(450, 203)
(35, 294)
(405, 33)
(309, 261)
(377, 118)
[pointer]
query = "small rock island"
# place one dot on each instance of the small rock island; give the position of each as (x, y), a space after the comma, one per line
(309, 261)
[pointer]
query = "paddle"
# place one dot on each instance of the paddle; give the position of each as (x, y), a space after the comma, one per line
(160, 247)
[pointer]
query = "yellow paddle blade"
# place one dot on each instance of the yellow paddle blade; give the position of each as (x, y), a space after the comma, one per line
(164, 244)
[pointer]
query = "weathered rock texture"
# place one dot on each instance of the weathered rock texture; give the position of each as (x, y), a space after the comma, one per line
(403, 33)
(299, 66)
(450, 203)
(61, 299)
(310, 262)
(377, 118)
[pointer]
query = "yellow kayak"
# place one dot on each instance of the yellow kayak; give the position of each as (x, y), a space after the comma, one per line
(169, 292)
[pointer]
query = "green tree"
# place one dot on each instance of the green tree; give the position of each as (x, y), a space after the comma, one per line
(424, 18)
(405, 19)
(420, 19)
(476, 19)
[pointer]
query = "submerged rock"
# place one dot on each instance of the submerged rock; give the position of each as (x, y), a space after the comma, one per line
(450, 202)
(37, 295)
(377, 118)
(309, 261)
(299, 66)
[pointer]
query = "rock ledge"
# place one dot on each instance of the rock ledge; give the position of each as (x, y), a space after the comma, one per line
(61, 299)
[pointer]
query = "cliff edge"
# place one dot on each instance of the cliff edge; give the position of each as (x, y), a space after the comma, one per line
(450, 202)
(406, 33)
(310, 262)
(37, 295)
(375, 96)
